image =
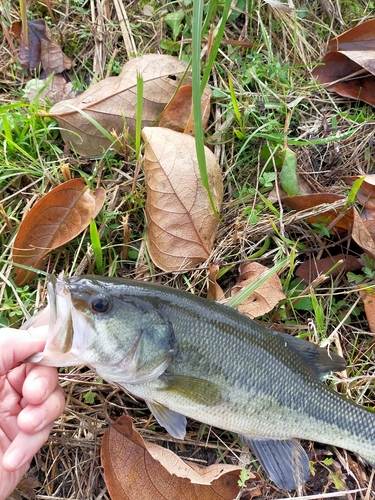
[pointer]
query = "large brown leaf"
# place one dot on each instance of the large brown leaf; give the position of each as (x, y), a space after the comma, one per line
(136, 471)
(351, 59)
(112, 102)
(56, 219)
(181, 224)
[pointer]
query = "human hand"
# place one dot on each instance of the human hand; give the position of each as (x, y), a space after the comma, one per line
(30, 400)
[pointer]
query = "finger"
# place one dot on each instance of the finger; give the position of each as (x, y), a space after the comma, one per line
(17, 345)
(23, 448)
(34, 418)
(39, 384)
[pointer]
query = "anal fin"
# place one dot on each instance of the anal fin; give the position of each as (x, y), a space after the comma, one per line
(173, 422)
(285, 461)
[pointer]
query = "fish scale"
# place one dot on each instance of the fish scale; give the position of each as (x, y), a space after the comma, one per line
(187, 356)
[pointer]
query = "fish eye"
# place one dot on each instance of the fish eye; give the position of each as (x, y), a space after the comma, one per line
(100, 304)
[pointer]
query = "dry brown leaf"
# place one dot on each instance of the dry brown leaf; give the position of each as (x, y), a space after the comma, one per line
(113, 101)
(54, 220)
(368, 297)
(361, 235)
(265, 298)
(349, 54)
(350, 220)
(134, 470)
(181, 223)
(341, 220)
(309, 270)
(215, 292)
(178, 115)
(57, 90)
(27, 486)
(42, 50)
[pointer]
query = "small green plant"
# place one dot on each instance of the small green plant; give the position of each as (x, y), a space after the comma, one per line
(244, 477)
(89, 397)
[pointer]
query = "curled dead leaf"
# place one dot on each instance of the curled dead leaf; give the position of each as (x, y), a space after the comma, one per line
(54, 220)
(265, 298)
(181, 225)
(134, 470)
(112, 103)
(361, 235)
(42, 50)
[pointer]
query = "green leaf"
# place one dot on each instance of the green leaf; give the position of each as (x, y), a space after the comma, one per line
(89, 397)
(173, 20)
(288, 174)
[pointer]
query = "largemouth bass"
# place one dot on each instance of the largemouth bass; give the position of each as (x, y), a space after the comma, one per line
(187, 356)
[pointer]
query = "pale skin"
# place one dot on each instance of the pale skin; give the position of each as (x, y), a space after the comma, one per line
(30, 401)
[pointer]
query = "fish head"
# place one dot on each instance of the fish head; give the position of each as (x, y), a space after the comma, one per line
(98, 324)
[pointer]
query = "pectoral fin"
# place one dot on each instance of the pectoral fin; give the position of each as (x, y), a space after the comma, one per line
(196, 389)
(173, 422)
(285, 462)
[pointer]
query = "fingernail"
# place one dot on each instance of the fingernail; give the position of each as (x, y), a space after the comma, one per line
(14, 459)
(37, 417)
(41, 385)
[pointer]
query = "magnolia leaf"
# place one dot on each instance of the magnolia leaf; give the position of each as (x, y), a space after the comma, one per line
(134, 470)
(54, 220)
(366, 192)
(111, 103)
(181, 225)
(267, 295)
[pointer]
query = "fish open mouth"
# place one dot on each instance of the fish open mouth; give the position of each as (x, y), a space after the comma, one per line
(55, 319)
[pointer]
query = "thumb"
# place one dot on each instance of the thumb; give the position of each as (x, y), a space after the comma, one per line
(17, 345)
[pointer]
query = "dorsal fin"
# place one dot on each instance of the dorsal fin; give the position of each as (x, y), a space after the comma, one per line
(320, 361)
